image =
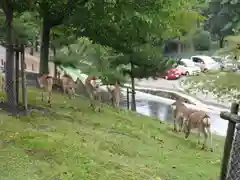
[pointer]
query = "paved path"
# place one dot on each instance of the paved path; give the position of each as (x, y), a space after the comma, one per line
(175, 85)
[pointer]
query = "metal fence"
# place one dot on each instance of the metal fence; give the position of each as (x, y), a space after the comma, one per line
(230, 169)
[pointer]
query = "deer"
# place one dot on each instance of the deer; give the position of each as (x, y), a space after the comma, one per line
(180, 111)
(199, 120)
(94, 92)
(46, 83)
(69, 85)
(115, 94)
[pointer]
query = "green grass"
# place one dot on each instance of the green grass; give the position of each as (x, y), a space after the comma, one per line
(225, 85)
(70, 142)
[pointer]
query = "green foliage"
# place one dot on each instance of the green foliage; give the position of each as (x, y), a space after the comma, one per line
(25, 27)
(202, 40)
(131, 27)
(91, 59)
(223, 85)
(223, 17)
(62, 36)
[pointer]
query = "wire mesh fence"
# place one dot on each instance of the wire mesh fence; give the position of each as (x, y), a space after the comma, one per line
(234, 162)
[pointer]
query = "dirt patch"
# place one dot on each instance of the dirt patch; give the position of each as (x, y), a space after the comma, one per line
(20, 110)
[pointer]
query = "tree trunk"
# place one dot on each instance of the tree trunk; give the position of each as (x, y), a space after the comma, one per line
(10, 79)
(24, 93)
(133, 103)
(36, 44)
(17, 74)
(55, 66)
(221, 42)
(32, 47)
(44, 54)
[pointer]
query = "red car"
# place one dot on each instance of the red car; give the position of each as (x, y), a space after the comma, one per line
(173, 74)
(182, 71)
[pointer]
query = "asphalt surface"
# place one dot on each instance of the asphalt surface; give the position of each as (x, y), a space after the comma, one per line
(175, 85)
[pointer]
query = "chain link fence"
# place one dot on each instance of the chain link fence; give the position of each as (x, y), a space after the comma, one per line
(234, 161)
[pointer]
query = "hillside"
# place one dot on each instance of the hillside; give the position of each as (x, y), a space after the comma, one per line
(70, 142)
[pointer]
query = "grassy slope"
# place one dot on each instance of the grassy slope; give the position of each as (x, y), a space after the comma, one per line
(73, 143)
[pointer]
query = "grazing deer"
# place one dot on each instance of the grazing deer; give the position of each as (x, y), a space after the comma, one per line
(180, 111)
(69, 85)
(115, 94)
(201, 121)
(93, 91)
(46, 83)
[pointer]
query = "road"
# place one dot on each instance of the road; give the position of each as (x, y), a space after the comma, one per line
(175, 85)
(161, 83)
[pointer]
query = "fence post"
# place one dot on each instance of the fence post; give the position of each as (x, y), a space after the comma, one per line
(127, 98)
(24, 93)
(228, 142)
(17, 73)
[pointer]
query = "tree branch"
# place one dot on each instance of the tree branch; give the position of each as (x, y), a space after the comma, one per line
(67, 12)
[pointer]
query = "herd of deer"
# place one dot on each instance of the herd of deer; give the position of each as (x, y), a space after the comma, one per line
(188, 119)
(68, 86)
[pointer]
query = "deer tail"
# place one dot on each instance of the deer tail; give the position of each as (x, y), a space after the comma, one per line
(206, 121)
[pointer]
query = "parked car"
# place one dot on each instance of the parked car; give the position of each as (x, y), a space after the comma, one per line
(205, 62)
(188, 67)
(226, 63)
(172, 74)
(220, 61)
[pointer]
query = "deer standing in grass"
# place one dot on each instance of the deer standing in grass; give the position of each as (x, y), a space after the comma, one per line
(180, 111)
(69, 85)
(199, 120)
(115, 94)
(93, 91)
(46, 83)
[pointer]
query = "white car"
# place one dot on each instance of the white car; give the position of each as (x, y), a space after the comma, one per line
(205, 62)
(188, 67)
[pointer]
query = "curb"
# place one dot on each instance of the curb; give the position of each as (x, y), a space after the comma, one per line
(192, 99)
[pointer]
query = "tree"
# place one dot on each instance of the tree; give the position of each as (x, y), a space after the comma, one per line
(202, 40)
(223, 18)
(52, 13)
(132, 28)
(92, 59)
(10, 8)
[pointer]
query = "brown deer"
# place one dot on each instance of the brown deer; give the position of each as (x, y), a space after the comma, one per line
(46, 83)
(115, 94)
(93, 91)
(180, 111)
(201, 121)
(69, 85)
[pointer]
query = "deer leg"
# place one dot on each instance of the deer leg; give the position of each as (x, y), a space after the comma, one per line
(69, 92)
(73, 93)
(174, 125)
(181, 124)
(199, 135)
(205, 138)
(210, 136)
(50, 98)
(42, 94)
(92, 103)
